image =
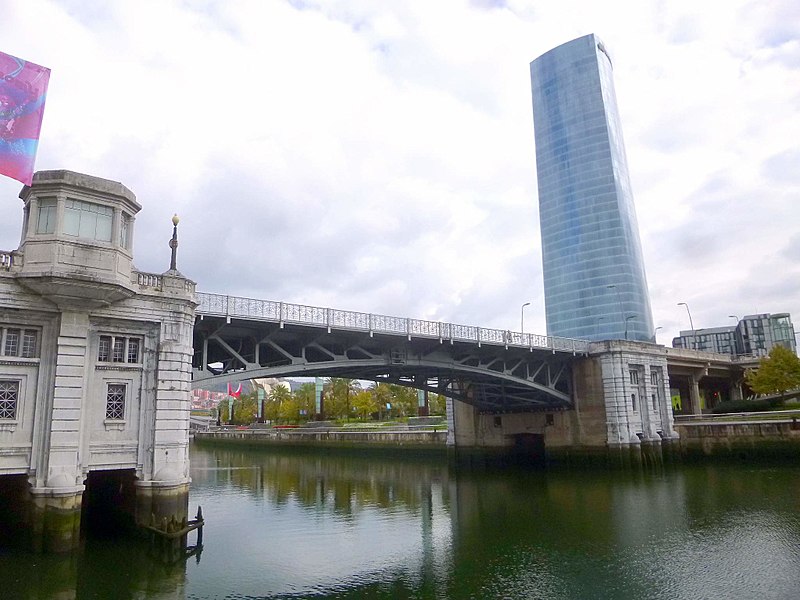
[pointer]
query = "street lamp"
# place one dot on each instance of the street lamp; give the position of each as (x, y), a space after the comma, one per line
(694, 343)
(597, 326)
(655, 332)
(619, 302)
(735, 318)
(522, 317)
(628, 318)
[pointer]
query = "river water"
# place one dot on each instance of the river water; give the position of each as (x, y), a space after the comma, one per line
(302, 525)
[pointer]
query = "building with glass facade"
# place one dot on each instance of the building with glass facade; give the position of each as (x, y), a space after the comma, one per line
(754, 335)
(594, 279)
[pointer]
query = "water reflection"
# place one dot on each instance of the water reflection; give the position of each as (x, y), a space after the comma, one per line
(99, 569)
(386, 527)
(298, 525)
(320, 524)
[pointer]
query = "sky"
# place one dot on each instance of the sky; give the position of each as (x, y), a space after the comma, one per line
(379, 156)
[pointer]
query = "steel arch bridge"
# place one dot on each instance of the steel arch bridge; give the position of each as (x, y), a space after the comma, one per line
(491, 369)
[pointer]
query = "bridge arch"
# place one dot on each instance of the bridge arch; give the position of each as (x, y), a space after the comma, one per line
(494, 370)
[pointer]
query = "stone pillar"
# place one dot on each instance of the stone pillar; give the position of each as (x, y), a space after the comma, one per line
(694, 395)
(162, 495)
(55, 518)
(56, 506)
(736, 389)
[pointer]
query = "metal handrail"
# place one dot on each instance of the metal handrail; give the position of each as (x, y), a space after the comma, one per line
(284, 312)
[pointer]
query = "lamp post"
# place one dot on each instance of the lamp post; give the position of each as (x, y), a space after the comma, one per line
(734, 317)
(691, 324)
(655, 332)
(619, 301)
(522, 317)
(597, 326)
(173, 243)
(628, 318)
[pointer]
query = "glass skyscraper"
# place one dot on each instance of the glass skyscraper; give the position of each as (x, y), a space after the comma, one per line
(594, 279)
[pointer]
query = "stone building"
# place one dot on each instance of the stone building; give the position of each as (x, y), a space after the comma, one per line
(94, 366)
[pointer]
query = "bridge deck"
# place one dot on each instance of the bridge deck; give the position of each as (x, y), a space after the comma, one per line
(240, 338)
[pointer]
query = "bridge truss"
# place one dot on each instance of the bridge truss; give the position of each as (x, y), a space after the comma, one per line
(494, 370)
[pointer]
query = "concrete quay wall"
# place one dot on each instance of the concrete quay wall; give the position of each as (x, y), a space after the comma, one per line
(740, 439)
(410, 440)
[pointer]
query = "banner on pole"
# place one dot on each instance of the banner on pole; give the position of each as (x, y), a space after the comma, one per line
(23, 88)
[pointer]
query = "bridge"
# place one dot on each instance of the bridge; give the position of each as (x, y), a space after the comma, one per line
(494, 370)
(98, 358)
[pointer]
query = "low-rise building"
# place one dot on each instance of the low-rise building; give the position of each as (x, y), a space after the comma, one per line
(754, 335)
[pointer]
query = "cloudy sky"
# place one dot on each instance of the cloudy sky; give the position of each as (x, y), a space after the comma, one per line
(379, 156)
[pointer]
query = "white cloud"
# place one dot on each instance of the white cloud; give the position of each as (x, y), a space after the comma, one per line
(380, 157)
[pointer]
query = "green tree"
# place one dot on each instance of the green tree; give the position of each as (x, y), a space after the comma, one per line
(306, 399)
(289, 410)
(364, 404)
(776, 374)
(277, 397)
(404, 400)
(437, 404)
(244, 410)
(383, 396)
(338, 395)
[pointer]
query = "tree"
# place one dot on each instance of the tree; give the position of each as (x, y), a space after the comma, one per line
(776, 374)
(306, 398)
(404, 401)
(437, 404)
(338, 394)
(364, 404)
(244, 410)
(277, 397)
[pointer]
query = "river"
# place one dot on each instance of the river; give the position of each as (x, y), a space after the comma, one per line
(301, 525)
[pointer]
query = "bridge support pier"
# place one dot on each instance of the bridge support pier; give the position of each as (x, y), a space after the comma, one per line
(160, 503)
(55, 519)
(621, 413)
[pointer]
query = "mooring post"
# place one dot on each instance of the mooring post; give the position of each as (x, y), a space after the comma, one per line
(199, 519)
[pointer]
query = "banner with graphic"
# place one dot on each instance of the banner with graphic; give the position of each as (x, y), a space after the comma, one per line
(23, 88)
(235, 392)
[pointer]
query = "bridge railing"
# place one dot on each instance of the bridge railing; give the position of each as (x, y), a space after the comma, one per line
(285, 312)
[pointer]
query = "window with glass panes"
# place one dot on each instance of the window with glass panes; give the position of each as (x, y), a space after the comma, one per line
(88, 220)
(46, 221)
(119, 349)
(19, 342)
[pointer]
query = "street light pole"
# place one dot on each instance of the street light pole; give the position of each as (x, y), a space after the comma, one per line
(619, 302)
(628, 318)
(655, 332)
(691, 324)
(522, 317)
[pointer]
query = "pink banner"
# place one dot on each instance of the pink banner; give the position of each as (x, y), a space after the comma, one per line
(23, 87)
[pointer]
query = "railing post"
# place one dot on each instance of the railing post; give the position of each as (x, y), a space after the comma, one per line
(408, 327)
(369, 323)
(328, 318)
(478, 335)
(281, 314)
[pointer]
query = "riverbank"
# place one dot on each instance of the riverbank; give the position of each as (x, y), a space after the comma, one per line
(700, 439)
(428, 440)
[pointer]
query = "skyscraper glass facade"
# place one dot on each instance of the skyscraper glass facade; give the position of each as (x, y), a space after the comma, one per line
(594, 279)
